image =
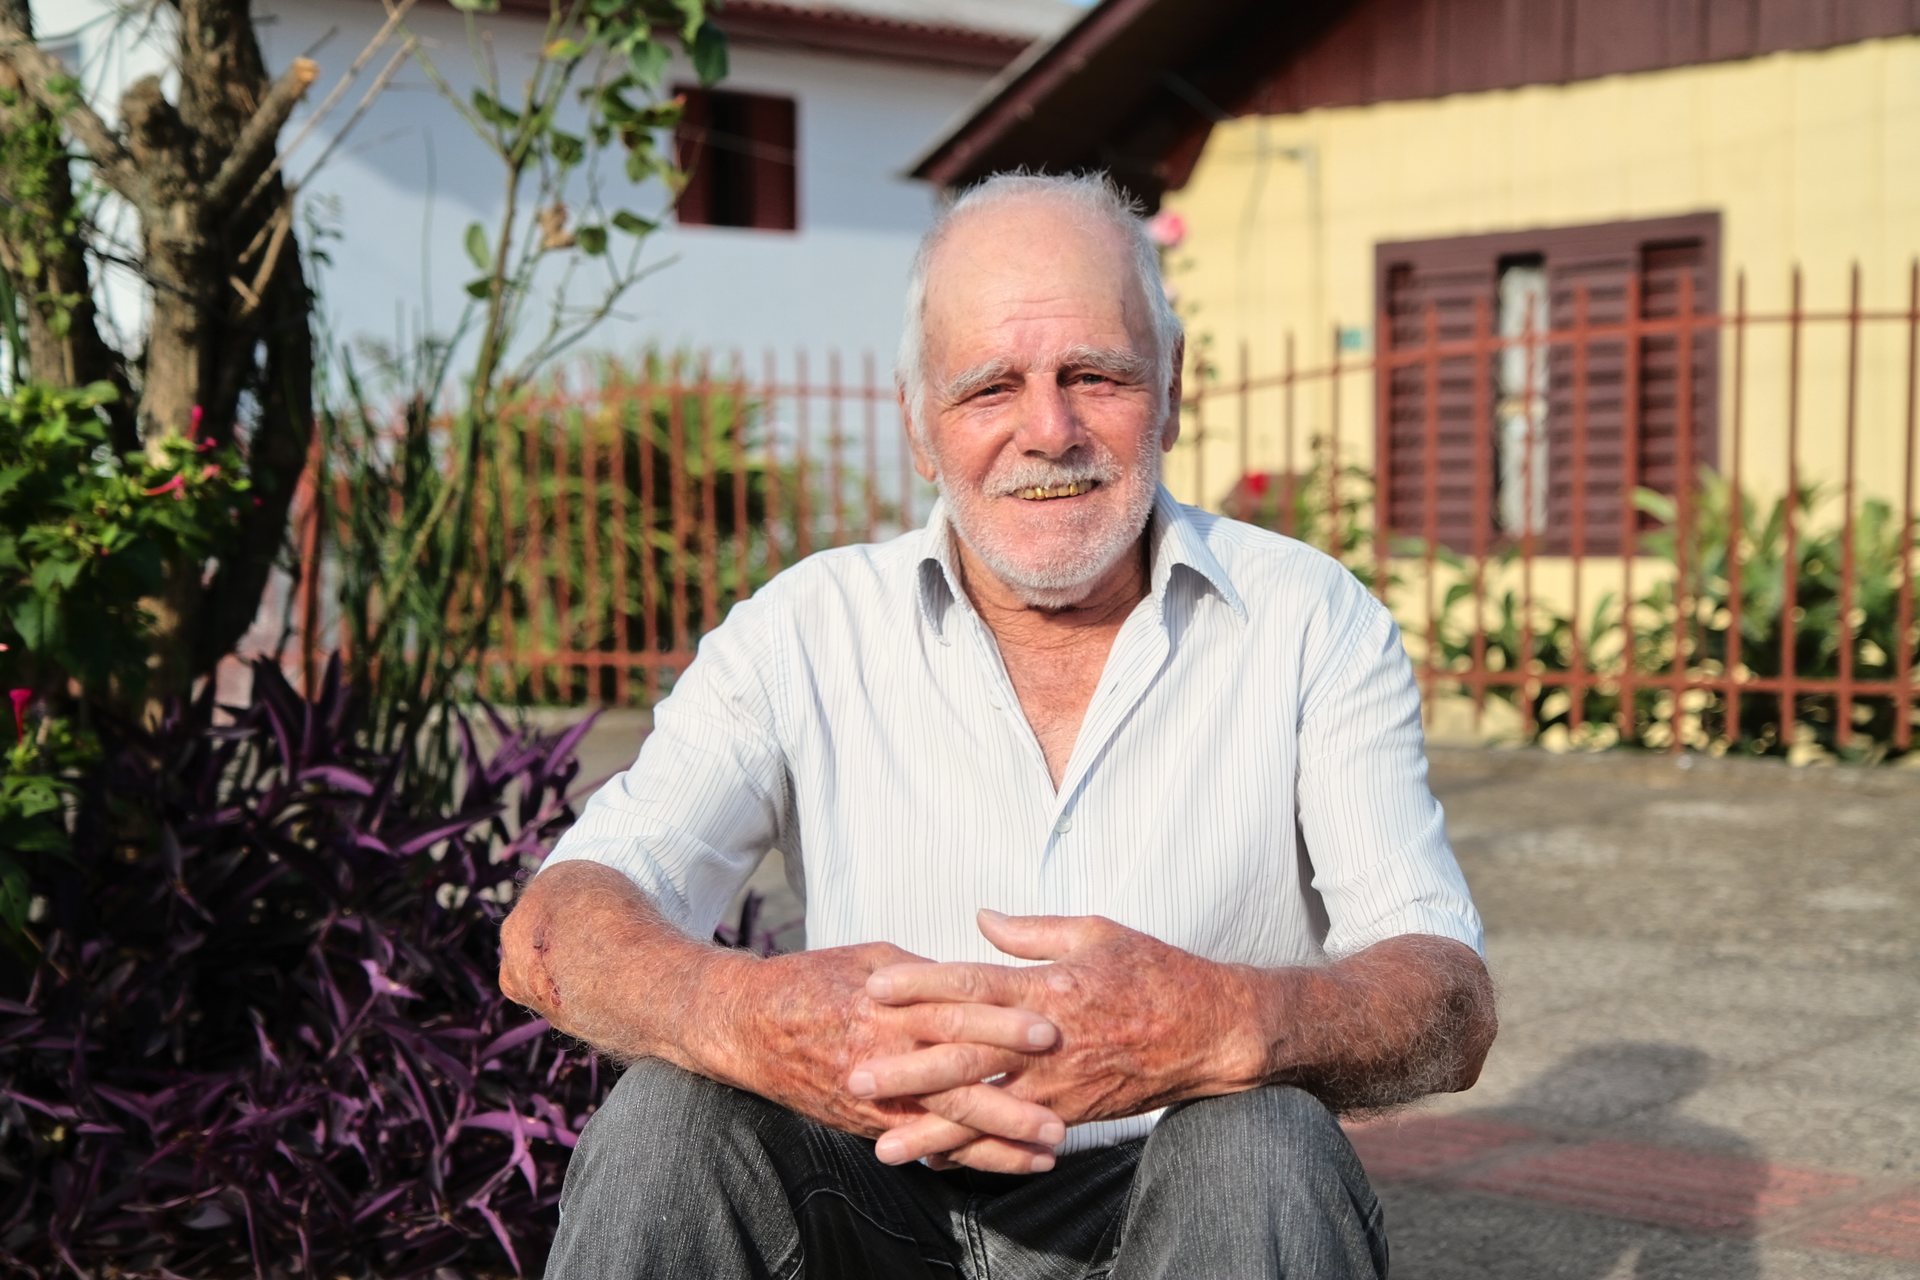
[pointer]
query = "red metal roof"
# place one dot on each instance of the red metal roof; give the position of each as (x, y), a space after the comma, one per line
(841, 30)
(868, 30)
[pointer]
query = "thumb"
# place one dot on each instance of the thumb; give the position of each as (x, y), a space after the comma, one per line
(1036, 937)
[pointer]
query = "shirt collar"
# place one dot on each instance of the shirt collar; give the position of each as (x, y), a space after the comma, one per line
(1173, 541)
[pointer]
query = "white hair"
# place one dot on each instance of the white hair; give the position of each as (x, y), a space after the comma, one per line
(1092, 194)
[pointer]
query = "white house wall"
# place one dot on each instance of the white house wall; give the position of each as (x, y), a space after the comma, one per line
(405, 184)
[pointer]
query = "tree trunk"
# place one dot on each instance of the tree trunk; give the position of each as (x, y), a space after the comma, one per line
(230, 337)
(41, 250)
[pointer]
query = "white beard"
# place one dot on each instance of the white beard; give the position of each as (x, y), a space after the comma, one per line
(1067, 577)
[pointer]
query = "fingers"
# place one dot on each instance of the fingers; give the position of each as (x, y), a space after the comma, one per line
(988, 1112)
(932, 1069)
(962, 1147)
(987, 1024)
(979, 1126)
(990, 1155)
(1040, 937)
(959, 983)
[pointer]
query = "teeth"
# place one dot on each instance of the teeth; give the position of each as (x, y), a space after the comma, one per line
(1037, 493)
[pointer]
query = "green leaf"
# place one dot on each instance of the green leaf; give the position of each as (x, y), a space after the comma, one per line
(481, 288)
(492, 111)
(709, 54)
(14, 897)
(477, 248)
(592, 239)
(649, 61)
(476, 6)
(37, 619)
(693, 13)
(1657, 505)
(633, 224)
(566, 148)
(61, 574)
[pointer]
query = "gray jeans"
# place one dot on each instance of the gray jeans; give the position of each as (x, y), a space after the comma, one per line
(679, 1177)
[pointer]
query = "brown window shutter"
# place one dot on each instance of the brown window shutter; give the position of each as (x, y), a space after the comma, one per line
(1605, 271)
(770, 124)
(1611, 262)
(692, 155)
(1454, 287)
(1663, 267)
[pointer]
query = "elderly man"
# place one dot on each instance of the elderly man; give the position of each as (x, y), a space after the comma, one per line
(1111, 817)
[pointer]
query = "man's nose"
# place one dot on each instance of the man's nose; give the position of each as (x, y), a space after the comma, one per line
(1051, 424)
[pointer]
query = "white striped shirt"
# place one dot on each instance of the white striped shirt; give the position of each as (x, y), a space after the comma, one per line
(1249, 783)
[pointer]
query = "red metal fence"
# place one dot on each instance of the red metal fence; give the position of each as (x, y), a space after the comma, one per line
(1586, 525)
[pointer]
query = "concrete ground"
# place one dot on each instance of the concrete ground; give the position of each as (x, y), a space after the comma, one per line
(1709, 974)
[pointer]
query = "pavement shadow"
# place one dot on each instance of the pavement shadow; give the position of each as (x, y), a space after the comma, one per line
(1587, 1172)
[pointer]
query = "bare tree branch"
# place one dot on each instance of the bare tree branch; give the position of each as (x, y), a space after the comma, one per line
(41, 75)
(282, 223)
(380, 82)
(395, 12)
(254, 149)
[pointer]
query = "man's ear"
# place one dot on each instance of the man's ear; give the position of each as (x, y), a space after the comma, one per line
(922, 460)
(1170, 429)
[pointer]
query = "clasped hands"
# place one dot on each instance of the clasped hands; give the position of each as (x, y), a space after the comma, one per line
(985, 1065)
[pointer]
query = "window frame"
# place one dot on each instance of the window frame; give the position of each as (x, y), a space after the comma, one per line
(747, 172)
(1564, 250)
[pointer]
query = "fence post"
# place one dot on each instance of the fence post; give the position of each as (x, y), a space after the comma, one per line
(1843, 712)
(1483, 350)
(1736, 500)
(1629, 719)
(1580, 671)
(1903, 663)
(1788, 638)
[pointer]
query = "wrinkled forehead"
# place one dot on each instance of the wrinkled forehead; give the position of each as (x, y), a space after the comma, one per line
(1034, 265)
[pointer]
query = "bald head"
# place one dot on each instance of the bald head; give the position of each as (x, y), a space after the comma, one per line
(1083, 216)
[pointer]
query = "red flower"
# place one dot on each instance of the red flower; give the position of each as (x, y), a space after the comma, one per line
(20, 697)
(193, 425)
(171, 486)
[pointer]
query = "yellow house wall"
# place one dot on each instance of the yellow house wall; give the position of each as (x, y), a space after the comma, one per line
(1810, 158)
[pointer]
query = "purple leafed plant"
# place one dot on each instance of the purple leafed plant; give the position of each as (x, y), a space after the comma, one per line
(265, 1036)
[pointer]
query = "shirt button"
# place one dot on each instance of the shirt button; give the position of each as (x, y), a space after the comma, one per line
(1063, 826)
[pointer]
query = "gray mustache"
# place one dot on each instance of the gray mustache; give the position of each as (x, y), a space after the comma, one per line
(1050, 475)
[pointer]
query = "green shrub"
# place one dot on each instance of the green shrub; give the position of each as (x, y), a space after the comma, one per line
(86, 538)
(1687, 619)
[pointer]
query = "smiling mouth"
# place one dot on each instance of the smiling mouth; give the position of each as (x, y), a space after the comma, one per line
(1044, 493)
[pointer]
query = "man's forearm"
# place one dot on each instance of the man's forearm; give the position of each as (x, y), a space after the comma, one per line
(588, 951)
(1405, 1018)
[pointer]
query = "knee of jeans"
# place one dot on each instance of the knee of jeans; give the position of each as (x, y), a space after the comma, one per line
(1277, 1135)
(656, 1114)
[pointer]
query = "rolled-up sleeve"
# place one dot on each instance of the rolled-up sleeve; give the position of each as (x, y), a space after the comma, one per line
(704, 800)
(1376, 836)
